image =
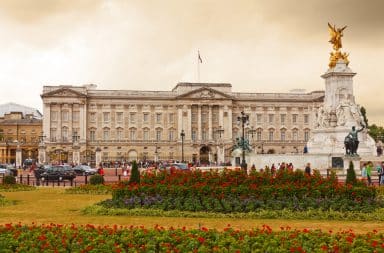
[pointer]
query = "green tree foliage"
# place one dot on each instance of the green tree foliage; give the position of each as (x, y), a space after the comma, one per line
(96, 179)
(376, 132)
(351, 175)
(135, 174)
(9, 180)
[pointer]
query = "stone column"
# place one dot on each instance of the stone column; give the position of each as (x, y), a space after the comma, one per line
(199, 122)
(47, 120)
(76, 155)
(19, 161)
(98, 157)
(42, 154)
(179, 120)
(209, 122)
(189, 124)
(228, 131)
(83, 121)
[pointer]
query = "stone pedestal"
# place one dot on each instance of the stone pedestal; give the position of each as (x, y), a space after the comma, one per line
(356, 163)
(98, 157)
(19, 161)
(42, 154)
(334, 120)
(76, 155)
(220, 154)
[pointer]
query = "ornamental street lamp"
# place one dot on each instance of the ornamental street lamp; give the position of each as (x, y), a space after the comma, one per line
(243, 120)
(220, 156)
(182, 135)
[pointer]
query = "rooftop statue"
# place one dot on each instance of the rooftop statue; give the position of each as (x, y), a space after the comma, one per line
(336, 34)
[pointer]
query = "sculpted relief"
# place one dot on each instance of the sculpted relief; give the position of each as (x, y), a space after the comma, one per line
(344, 112)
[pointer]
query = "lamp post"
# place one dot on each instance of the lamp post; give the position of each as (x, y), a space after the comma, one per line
(220, 153)
(243, 120)
(182, 135)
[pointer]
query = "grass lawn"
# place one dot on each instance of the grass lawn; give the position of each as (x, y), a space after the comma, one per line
(52, 205)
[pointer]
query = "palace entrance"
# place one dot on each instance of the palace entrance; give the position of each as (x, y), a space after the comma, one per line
(204, 155)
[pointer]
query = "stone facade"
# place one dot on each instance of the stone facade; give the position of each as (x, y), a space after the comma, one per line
(127, 125)
(19, 133)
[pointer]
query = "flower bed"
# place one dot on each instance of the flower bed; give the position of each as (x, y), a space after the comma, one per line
(16, 187)
(235, 191)
(90, 238)
(98, 189)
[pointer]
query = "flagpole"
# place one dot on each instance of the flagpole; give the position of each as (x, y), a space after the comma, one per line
(198, 66)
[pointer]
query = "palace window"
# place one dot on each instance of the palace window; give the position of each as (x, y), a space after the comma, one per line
(132, 134)
(194, 135)
(92, 135)
(171, 118)
(295, 135)
(294, 118)
(53, 115)
(53, 134)
(258, 135)
(271, 135)
(92, 117)
(158, 134)
(306, 135)
(145, 117)
(119, 134)
(259, 118)
(106, 117)
(64, 134)
(119, 117)
(132, 117)
(146, 134)
(158, 118)
(106, 134)
(306, 118)
(282, 118)
(204, 135)
(171, 135)
(194, 117)
(64, 115)
(282, 135)
(270, 118)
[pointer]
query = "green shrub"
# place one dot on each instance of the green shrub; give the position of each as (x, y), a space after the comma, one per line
(135, 174)
(96, 179)
(9, 180)
(351, 175)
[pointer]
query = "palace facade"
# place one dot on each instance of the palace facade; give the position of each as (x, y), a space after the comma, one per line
(196, 122)
(20, 130)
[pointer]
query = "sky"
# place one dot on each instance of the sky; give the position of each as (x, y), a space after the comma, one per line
(256, 45)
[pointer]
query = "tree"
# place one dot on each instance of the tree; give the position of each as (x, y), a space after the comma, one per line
(376, 132)
(351, 175)
(135, 174)
(364, 114)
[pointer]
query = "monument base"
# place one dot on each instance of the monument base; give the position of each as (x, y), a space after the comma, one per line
(355, 161)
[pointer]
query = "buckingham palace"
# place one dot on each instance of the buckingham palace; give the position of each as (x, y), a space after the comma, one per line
(195, 122)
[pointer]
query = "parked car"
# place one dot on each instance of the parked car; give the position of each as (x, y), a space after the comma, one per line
(5, 169)
(179, 166)
(56, 172)
(84, 170)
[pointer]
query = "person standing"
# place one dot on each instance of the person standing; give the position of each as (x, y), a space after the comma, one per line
(379, 169)
(369, 172)
(308, 169)
(364, 172)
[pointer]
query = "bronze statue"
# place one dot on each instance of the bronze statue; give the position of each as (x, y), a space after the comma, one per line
(351, 141)
(336, 34)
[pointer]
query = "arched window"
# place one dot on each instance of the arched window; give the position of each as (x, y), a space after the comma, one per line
(64, 134)
(271, 134)
(106, 134)
(119, 134)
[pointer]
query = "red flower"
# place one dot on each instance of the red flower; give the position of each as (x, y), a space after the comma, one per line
(201, 240)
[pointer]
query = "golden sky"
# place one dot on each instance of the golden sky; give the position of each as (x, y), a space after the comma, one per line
(256, 45)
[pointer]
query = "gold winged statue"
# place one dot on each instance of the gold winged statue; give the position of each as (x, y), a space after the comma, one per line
(336, 34)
